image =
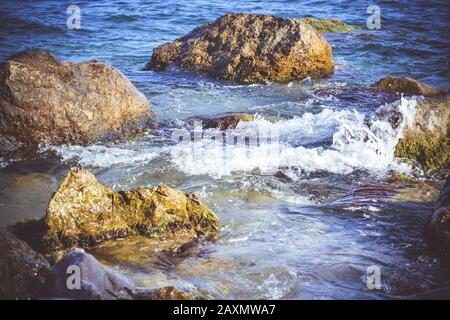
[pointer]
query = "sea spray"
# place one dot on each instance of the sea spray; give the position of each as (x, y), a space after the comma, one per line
(358, 142)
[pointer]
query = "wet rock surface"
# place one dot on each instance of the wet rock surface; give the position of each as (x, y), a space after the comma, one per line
(95, 282)
(84, 212)
(427, 141)
(249, 48)
(222, 122)
(46, 101)
(406, 85)
(23, 271)
(165, 293)
(437, 230)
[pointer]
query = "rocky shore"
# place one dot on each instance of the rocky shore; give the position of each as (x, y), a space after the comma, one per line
(45, 101)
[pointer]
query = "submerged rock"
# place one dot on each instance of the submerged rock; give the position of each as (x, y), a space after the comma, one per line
(23, 271)
(46, 101)
(427, 141)
(165, 293)
(405, 85)
(249, 48)
(83, 212)
(437, 230)
(94, 280)
(223, 122)
(328, 25)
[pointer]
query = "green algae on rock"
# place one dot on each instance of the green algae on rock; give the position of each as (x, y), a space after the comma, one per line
(83, 212)
(427, 141)
(329, 25)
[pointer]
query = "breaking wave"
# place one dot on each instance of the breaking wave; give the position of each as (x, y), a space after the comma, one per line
(348, 140)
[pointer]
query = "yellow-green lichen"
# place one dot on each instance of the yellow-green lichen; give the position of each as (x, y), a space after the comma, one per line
(329, 25)
(431, 151)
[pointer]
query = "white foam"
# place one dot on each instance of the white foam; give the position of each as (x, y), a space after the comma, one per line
(3, 163)
(355, 145)
(101, 156)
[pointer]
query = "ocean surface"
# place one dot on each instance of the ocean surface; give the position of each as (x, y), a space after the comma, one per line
(293, 226)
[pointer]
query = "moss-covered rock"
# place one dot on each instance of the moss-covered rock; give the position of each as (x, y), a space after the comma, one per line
(427, 141)
(83, 212)
(329, 25)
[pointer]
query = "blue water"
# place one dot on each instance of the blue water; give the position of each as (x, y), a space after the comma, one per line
(413, 40)
(284, 235)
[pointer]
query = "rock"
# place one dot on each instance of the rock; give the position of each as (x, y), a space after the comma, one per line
(405, 85)
(427, 141)
(249, 48)
(23, 271)
(360, 96)
(45, 101)
(31, 231)
(437, 230)
(223, 122)
(83, 212)
(146, 253)
(165, 293)
(328, 25)
(95, 283)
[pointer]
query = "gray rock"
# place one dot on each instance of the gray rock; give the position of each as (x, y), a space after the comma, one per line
(96, 281)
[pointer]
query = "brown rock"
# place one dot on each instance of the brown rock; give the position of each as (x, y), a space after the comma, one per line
(165, 293)
(249, 48)
(223, 122)
(437, 230)
(23, 271)
(404, 85)
(83, 212)
(45, 101)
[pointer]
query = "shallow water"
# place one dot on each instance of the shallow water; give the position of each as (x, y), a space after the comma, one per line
(291, 228)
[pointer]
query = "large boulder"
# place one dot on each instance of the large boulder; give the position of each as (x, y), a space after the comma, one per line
(23, 271)
(427, 141)
(46, 101)
(94, 282)
(249, 48)
(405, 85)
(83, 212)
(437, 230)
